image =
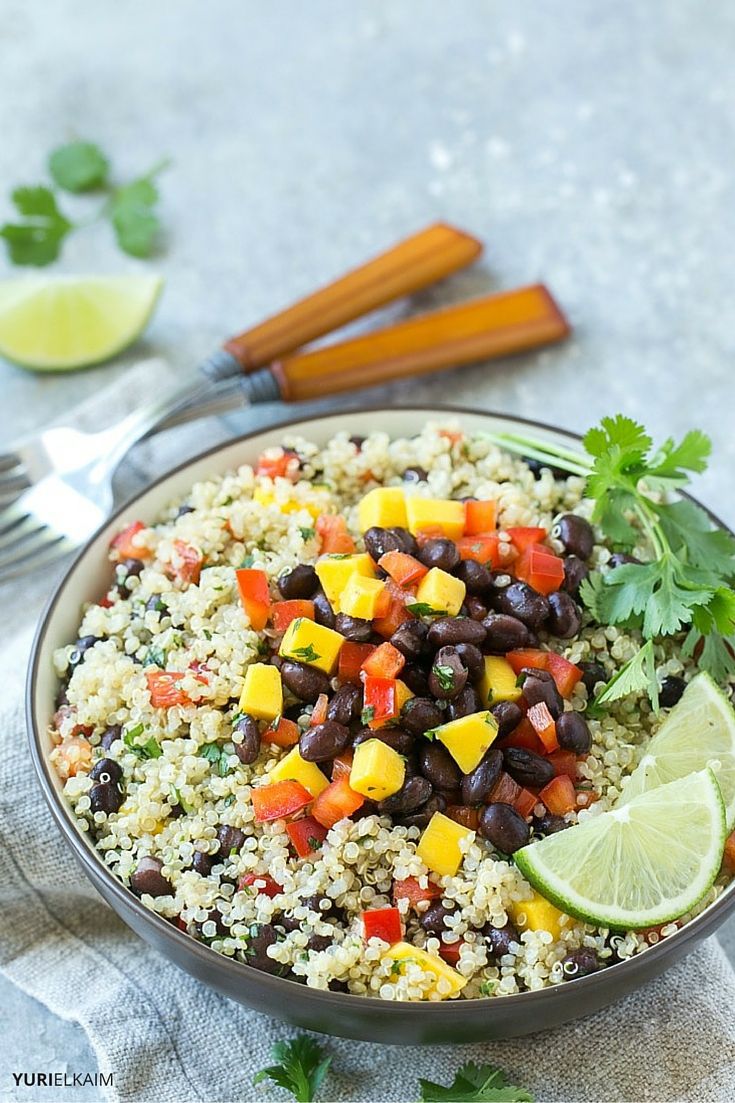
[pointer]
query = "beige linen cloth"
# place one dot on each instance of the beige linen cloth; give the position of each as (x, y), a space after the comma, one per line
(165, 1037)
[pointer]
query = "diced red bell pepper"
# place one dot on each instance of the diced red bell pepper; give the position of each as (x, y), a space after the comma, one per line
(565, 762)
(332, 531)
(254, 596)
(559, 795)
(283, 612)
(282, 798)
(163, 686)
(586, 797)
(540, 568)
(450, 952)
(319, 713)
(479, 516)
(342, 765)
(307, 835)
(189, 565)
(528, 657)
(429, 532)
(380, 701)
(410, 889)
(276, 466)
(336, 802)
(123, 547)
(522, 538)
(454, 436)
(522, 736)
(284, 734)
(728, 858)
(105, 602)
(396, 612)
(525, 802)
(543, 724)
(461, 813)
(351, 657)
(402, 568)
(386, 661)
(505, 790)
(483, 548)
(270, 888)
(565, 674)
(384, 923)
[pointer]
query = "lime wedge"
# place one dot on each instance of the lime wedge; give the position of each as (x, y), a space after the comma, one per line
(59, 323)
(699, 731)
(639, 865)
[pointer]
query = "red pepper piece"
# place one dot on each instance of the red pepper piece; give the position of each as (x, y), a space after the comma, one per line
(307, 835)
(254, 596)
(384, 923)
(283, 612)
(282, 798)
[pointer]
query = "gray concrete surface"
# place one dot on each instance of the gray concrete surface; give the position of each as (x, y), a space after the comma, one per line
(588, 145)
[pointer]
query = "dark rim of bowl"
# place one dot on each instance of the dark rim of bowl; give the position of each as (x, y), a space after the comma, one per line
(694, 929)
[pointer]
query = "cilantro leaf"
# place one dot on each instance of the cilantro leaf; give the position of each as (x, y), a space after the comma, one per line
(36, 241)
(307, 654)
(475, 1084)
(300, 1067)
(444, 676)
(133, 218)
(635, 676)
(78, 166)
(687, 527)
(423, 609)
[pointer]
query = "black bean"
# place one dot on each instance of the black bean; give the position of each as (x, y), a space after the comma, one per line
(472, 658)
(508, 717)
(592, 674)
(318, 942)
(305, 682)
(202, 863)
(345, 705)
(438, 766)
(324, 741)
(504, 827)
(476, 578)
(537, 466)
(338, 986)
(415, 475)
(379, 541)
(549, 824)
(504, 633)
(564, 617)
(575, 572)
(499, 939)
(407, 539)
(149, 879)
(464, 704)
(301, 582)
(358, 442)
(575, 534)
(441, 553)
(619, 559)
(109, 735)
(448, 674)
(420, 714)
(249, 748)
(156, 604)
(449, 631)
(128, 568)
(106, 770)
(353, 628)
(213, 916)
(105, 797)
(572, 733)
(262, 936)
(412, 795)
(410, 638)
(521, 601)
(432, 920)
(183, 509)
(672, 688)
(540, 688)
(230, 840)
(81, 647)
(422, 817)
(580, 963)
(527, 767)
(415, 677)
(401, 741)
(479, 784)
(476, 608)
(323, 612)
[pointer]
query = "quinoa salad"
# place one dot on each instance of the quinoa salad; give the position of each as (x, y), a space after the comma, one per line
(325, 700)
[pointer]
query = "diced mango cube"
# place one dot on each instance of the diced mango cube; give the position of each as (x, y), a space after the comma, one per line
(288, 505)
(335, 571)
(440, 513)
(468, 738)
(262, 693)
(293, 767)
(498, 683)
(385, 507)
(441, 592)
(536, 914)
(405, 952)
(377, 770)
(311, 643)
(360, 597)
(438, 848)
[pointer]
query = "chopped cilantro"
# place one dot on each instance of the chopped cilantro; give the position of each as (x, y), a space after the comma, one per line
(421, 609)
(444, 676)
(307, 654)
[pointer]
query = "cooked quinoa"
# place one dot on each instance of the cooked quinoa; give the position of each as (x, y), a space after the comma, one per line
(173, 786)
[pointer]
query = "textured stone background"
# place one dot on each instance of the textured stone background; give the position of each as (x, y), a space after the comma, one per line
(588, 145)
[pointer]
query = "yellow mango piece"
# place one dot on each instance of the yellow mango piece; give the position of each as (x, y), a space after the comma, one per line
(441, 592)
(377, 770)
(438, 848)
(441, 513)
(360, 597)
(536, 914)
(498, 683)
(468, 738)
(293, 767)
(311, 643)
(288, 505)
(385, 507)
(405, 952)
(262, 693)
(335, 571)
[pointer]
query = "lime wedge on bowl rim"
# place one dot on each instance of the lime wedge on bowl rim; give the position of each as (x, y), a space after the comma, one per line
(57, 323)
(641, 864)
(698, 732)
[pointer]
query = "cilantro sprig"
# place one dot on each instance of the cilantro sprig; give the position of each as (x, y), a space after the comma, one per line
(475, 1084)
(300, 1067)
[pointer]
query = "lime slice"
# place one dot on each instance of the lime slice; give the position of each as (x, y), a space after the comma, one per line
(639, 865)
(699, 731)
(59, 323)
